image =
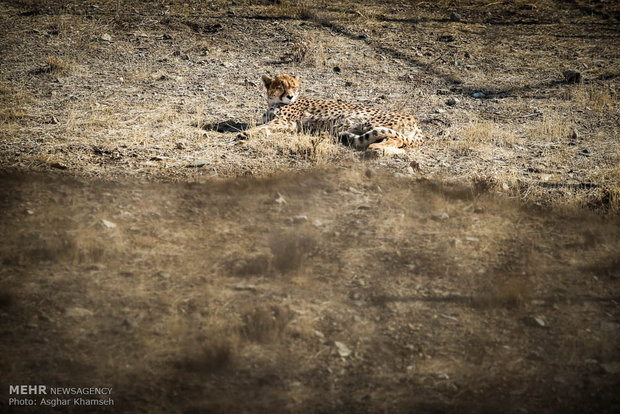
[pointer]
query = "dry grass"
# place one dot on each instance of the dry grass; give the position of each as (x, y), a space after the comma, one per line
(13, 102)
(290, 251)
(595, 96)
(57, 66)
(550, 128)
(480, 133)
(266, 323)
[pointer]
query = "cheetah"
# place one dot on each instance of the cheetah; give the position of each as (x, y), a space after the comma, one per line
(363, 127)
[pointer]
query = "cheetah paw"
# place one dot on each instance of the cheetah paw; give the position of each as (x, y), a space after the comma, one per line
(242, 136)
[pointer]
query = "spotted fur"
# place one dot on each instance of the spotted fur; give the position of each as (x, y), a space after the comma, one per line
(361, 126)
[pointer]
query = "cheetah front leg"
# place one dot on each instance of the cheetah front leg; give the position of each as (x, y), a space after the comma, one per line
(276, 125)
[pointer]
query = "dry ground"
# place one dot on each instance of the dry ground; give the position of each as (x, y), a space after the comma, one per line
(146, 249)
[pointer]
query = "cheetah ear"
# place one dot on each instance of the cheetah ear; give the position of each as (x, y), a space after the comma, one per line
(267, 80)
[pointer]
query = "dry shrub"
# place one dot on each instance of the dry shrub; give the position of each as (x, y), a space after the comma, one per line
(598, 97)
(57, 249)
(549, 128)
(482, 183)
(290, 250)
(318, 149)
(12, 103)
(305, 50)
(211, 355)
(606, 199)
(249, 265)
(266, 323)
(484, 132)
(57, 66)
(297, 9)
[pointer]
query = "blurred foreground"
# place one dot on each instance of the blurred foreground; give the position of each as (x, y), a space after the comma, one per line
(328, 291)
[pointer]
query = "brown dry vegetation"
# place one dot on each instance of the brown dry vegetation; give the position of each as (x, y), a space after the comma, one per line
(145, 249)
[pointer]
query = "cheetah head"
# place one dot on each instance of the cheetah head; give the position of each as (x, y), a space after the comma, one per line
(281, 90)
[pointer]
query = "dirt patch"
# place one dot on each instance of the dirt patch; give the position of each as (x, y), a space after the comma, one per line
(320, 292)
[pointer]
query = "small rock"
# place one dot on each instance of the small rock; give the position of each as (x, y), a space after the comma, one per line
(197, 163)
(440, 217)
(163, 275)
(575, 134)
(534, 321)
(106, 37)
(176, 53)
(348, 83)
(455, 17)
(242, 287)
(343, 350)
(78, 312)
(300, 219)
(439, 110)
(364, 36)
(108, 224)
(451, 101)
(317, 223)
(572, 76)
(472, 239)
(58, 165)
(505, 187)
(478, 95)
(585, 152)
(446, 38)
(337, 69)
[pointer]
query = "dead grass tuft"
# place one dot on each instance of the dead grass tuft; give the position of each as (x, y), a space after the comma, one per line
(598, 97)
(58, 66)
(210, 356)
(306, 50)
(550, 128)
(12, 102)
(480, 132)
(266, 323)
(250, 265)
(290, 251)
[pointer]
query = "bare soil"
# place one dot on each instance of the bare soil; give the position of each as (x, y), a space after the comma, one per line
(145, 249)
